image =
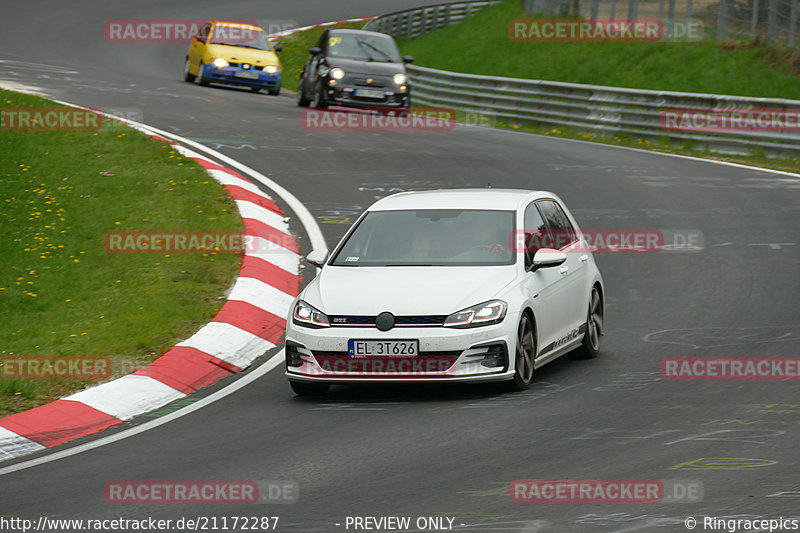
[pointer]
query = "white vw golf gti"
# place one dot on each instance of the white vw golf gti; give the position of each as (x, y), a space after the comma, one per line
(447, 285)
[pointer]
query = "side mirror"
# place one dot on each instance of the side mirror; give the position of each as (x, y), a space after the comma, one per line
(408, 59)
(318, 257)
(547, 258)
(277, 48)
(314, 51)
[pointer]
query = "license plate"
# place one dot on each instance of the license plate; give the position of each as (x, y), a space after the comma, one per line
(388, 348)
(247, 74)
(368, 93)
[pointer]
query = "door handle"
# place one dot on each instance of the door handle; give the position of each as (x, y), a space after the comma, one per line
(564, 269)
(584, 258)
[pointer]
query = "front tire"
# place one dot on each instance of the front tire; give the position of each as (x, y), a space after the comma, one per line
(524, 355)
(308, 388)
(200, 79)
(319, 99)
(590, 347)
(302, 101)
(187, 76)
(275, 92)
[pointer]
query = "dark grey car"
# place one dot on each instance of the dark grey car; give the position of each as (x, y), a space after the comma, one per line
(355, 68)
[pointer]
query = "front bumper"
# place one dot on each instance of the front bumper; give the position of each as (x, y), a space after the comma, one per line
(445, 354)
(235, 75)
(346, 95)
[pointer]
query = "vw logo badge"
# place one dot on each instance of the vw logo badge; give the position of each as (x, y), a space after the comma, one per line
(384, 321)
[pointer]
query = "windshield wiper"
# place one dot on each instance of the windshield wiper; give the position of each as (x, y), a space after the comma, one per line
(381, 52)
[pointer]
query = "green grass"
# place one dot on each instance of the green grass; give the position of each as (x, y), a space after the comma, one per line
(295, 51)
(481, 45)
(61, 293)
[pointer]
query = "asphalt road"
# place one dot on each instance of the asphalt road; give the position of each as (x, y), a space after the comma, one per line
(451, 451)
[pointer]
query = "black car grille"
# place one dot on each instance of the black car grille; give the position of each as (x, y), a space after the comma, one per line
(252, 67)
(422, 365)
(362, 82)
(453, 354)
(399, 321)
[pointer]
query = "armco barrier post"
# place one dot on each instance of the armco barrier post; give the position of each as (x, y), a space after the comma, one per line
(720, 19)
(772, 19)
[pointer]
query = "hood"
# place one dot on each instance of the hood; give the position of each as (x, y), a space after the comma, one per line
(405, 290)
(238, 54)
(369, 68)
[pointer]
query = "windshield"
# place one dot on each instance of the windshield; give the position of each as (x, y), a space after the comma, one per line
(441, 237)
(363, 47)
(243, 36)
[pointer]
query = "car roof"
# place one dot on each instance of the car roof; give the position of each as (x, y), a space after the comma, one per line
(234, 24)
(499, 199)
(359, 32)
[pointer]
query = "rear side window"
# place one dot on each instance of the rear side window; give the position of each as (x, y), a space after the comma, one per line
(560, 232)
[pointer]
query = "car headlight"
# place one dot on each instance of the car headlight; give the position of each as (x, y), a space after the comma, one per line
(309, 316)
(220, 62)
(337, 73)
(271, 69)
(487, 313)
(399, 78)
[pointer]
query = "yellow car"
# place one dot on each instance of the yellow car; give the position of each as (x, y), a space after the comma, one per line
(233, 53)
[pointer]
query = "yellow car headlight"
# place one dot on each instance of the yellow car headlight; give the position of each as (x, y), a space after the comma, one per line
(271, 69)
(220, 62)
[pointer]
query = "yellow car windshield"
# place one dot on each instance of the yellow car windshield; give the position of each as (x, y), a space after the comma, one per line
(244, 36)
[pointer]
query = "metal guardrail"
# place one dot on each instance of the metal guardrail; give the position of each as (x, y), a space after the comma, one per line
(412, 23)
(601, 109)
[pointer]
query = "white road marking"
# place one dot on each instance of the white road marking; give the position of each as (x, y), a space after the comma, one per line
(275, 361)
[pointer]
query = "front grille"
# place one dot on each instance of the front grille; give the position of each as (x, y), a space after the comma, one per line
(454, 354)
(252, 67)
(406, 321)
(362, 82)
(424, 364)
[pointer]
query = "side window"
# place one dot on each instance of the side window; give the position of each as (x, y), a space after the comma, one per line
(202, 33)
(533, 233)
(323, 42)
(560, 232)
